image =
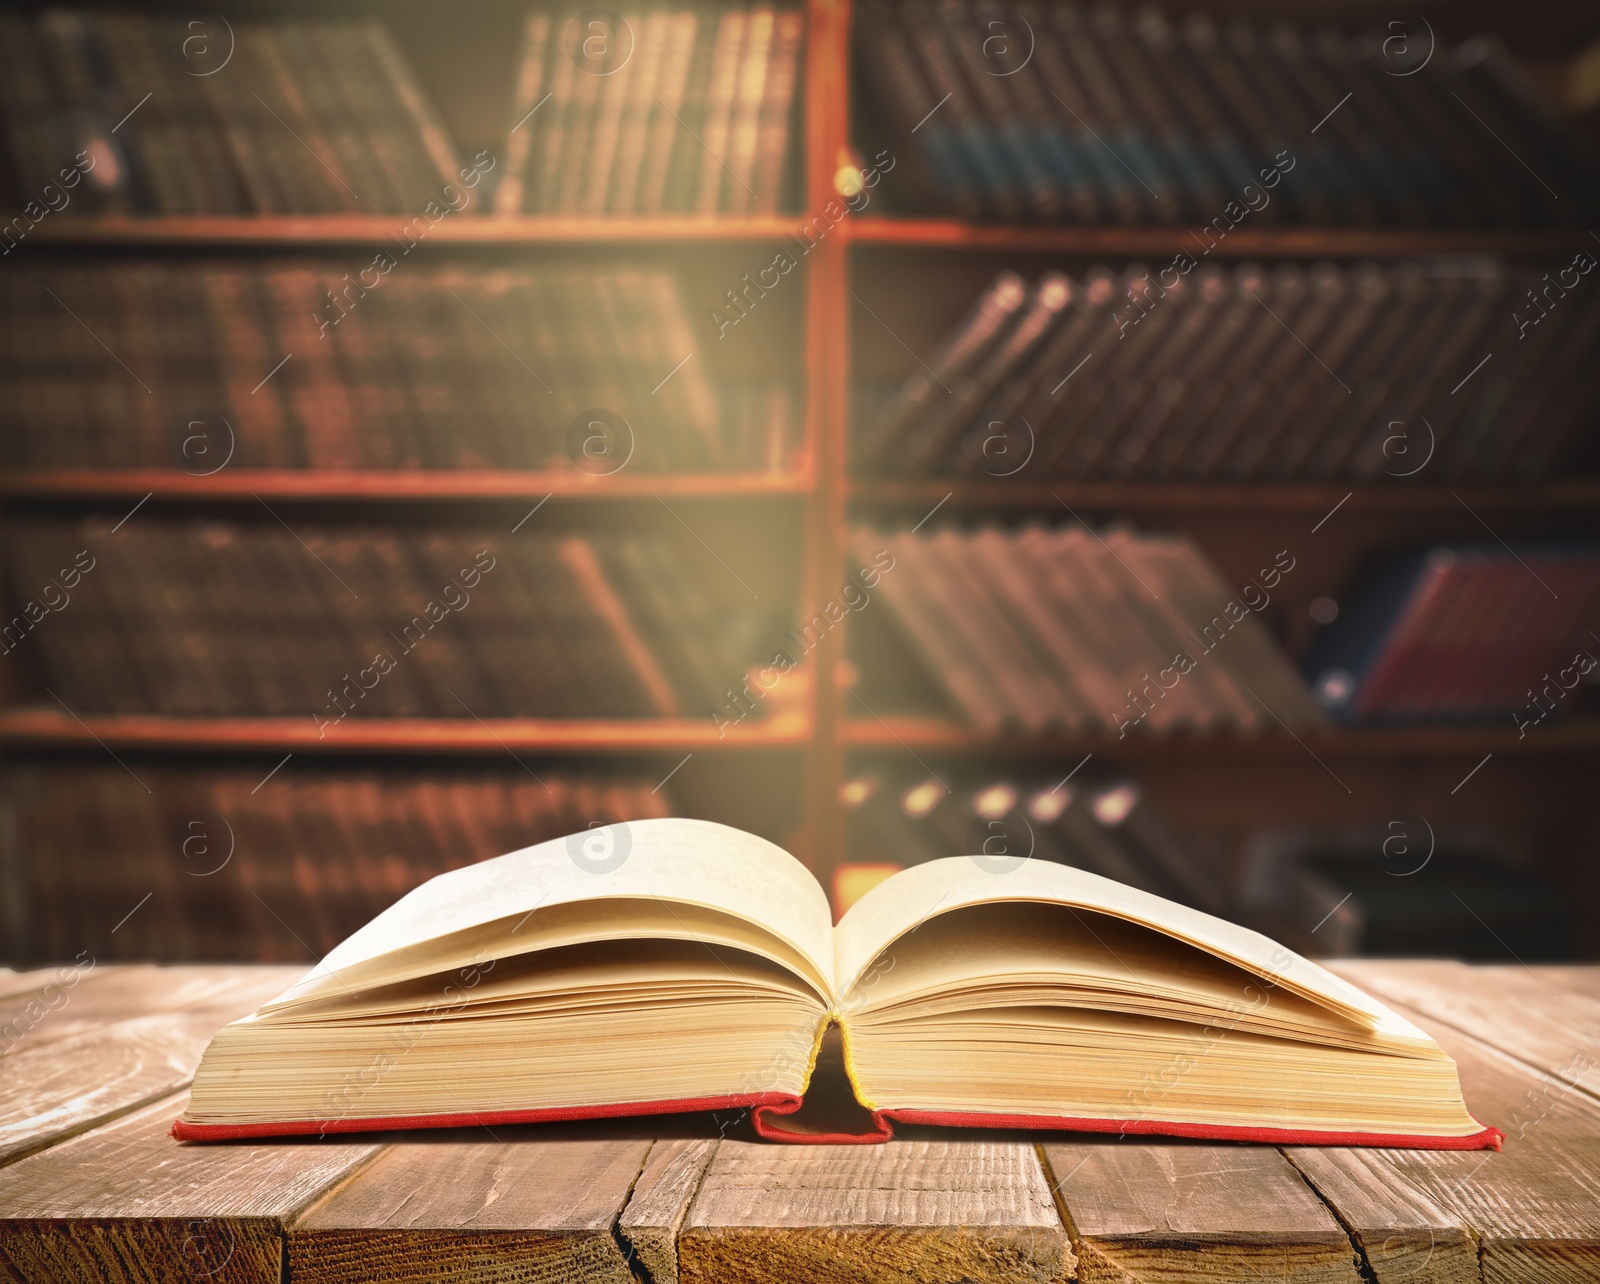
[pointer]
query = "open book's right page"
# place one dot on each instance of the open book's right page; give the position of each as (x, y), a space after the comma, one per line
(914, 896)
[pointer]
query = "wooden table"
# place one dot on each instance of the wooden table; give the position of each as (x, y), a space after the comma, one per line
(92, 1188)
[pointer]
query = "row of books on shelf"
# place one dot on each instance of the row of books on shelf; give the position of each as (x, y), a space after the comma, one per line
(113, 112)
(224, 863)
(1048, 112)
(1465, 631)
(1470, 893)
(195, 618)
(274, 870)
(1106, 824)
(1027, 631)
(201, 365)
(1124, 634)
(671, 110)
(1280, 374)
(665, 111)
(1065, 629)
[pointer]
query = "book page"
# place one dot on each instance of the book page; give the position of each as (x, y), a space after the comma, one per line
(688, 862)
(902, 903)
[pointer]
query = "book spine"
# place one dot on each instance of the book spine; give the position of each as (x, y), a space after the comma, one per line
(721, 93)
(528, 100)
(946, 653)
(423, 125)
(777, 111)
(578, 557)
(981, 152)
(737, 195)
(323, 180)
(644, 79)
(614, 96)
(666, 137)
(938, 430)
(991, 312)
(994, 99)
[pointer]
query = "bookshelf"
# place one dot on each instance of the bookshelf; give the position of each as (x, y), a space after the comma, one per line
(820, 492)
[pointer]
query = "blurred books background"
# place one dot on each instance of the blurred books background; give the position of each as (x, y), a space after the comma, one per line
(1160, 442)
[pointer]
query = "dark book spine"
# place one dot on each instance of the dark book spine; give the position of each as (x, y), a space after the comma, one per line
(529, 99)
(972, 335)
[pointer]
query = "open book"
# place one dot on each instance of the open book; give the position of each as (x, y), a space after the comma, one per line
(670, 965)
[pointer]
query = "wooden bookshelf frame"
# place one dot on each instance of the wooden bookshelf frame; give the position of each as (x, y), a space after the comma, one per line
(826, 735)
(59, 729)
(436, 485)
(931, 735)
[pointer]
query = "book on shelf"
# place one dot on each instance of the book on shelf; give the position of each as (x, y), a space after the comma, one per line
(1464, 632)
(1194, 373)
(1052, 113)
(668, 111)
(1068, 630)
(1108, 825)
(335, 622)
(135, 113)
(256, 865)
(401, 365)
(529, 987)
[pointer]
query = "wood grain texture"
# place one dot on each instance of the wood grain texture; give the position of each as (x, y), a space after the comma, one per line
(912, 1211)
(660, 1203)
(53, 1092)
(125, 1204)
(57, 1009)
(14, 982)
(1534, 1208)
(467, 1207)
(1554, 1029)
(1574, 978)
(154, 731)
(1400, 1232)
(1143, 1211)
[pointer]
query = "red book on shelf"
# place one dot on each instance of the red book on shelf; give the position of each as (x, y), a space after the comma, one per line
(670, 965)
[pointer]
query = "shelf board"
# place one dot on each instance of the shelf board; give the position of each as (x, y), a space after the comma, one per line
(376, 230)
(935, 735)
(54, 728)
(378, 485)
(923, 493)
(1245, 242)
(379, 230)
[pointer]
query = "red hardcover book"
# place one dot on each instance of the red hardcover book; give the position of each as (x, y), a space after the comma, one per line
(668, 965)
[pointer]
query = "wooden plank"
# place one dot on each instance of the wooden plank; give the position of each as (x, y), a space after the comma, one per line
(1099, 240)
(1534, 1209)
(913, 1211)
(1401, 1233)
(1569, 978)
(464, 1206)
(54, 1092)
(39, 726)
(14, 982)
(58, 1089)
(660, 1203)
(218, 231)
(1148, 1211)
(919, 495)
(389, 485)
(125, 1204)
(1553, 1029)
(916, 731)
(58, 1009)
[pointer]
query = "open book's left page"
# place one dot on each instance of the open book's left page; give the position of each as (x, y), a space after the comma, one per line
(680, 878)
